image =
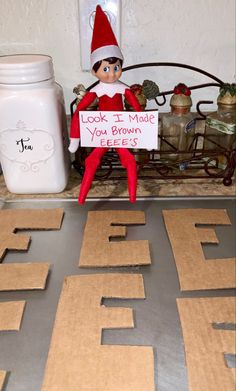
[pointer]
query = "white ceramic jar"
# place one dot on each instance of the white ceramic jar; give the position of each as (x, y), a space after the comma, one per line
(33, 130)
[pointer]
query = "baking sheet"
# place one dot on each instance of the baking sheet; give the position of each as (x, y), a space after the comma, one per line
(24, 353)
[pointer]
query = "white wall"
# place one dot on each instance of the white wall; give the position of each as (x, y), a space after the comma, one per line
(196, 32)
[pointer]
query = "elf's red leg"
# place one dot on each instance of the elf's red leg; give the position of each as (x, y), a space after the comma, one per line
(128, 161)
(92, 162)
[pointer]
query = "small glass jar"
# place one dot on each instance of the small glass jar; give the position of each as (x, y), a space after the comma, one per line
(178, 129)
(220, 130)
(33, 127)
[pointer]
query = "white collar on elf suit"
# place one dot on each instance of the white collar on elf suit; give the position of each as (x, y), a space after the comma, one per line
(109, 89)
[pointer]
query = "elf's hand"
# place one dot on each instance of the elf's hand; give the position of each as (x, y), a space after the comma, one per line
(74, 144)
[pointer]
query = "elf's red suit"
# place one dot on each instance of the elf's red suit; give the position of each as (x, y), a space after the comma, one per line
(109, 99)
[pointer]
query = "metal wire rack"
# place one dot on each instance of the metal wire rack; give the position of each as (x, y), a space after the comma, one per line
(196, 162)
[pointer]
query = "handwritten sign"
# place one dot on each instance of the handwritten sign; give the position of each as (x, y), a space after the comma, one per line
(123, 129)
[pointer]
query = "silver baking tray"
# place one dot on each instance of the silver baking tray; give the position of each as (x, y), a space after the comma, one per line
(157, 323)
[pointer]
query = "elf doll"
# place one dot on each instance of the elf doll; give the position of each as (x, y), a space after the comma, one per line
(106, 64)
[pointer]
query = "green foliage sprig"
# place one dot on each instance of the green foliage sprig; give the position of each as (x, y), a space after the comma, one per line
(227, 87)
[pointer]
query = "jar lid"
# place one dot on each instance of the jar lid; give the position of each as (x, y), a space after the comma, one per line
(227, 99)
(180, 100)
(25, 68)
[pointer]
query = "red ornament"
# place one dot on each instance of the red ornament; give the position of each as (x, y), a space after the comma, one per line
(137, 89)
(181, 88)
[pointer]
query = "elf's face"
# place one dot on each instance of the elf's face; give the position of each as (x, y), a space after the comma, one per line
(109, 73)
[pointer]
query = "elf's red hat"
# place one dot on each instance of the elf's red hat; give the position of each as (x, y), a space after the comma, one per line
(104, 43)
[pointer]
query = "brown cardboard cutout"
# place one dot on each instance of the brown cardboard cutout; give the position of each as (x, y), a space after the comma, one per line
(2, 378)
(11, 313)
(204, 345)
(195, 272)
(77, 360)
(207, 235)
(18, 219)
(23, 276)
(98, 251)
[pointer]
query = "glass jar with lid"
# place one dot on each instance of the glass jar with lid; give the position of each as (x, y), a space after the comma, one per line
(178, 126)
(220, 130)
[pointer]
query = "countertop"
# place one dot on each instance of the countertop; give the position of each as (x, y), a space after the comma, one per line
(146, 188)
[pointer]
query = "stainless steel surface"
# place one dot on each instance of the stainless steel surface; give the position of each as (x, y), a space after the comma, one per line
(24, 353)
